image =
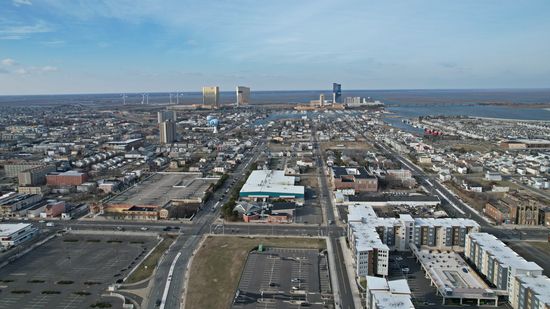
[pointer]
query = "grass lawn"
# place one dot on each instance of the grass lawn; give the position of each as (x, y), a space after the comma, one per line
(217, 267)
(146, 267)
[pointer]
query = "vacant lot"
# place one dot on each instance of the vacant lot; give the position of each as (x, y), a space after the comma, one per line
(217, 267)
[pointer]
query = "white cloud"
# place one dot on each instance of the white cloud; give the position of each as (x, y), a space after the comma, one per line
(48, 68)
(10, 66)
(17, 32)
(21, 2)
(8, 62)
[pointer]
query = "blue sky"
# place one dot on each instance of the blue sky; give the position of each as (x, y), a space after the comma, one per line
(75, 46)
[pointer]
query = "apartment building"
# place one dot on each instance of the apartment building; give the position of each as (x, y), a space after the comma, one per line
(497, 262)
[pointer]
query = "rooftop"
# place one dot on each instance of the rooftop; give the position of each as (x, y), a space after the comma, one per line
(271, 181)
(10, 228)
(502, 253)
(540, 285)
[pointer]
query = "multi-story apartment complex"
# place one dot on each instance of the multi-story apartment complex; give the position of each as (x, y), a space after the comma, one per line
(445, 233)
(371, 237)
(35, 176)
(498, 262)
(13, 170)
(533, 292)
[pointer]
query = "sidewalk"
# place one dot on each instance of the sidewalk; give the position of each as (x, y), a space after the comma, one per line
(348, 260)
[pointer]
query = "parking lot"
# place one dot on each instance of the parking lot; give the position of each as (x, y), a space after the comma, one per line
(70, 271)
(404, 265)
(284, 278)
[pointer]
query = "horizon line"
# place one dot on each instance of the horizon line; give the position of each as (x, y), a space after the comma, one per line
(279, 90)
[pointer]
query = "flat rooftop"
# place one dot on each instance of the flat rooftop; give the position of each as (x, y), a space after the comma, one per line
(7, 229)
(447, 222)
(270, 181)
(502, 253)
(449, 272)
(164, 187)
(366, 238)
(540, 285)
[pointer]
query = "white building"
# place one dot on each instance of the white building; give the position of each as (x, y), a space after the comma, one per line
(270, 184)
(533, 292)
(382, 294)
(498, 262)
(14, 234)
(371, 238)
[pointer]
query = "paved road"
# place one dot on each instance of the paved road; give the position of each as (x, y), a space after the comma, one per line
(445, 195)
(346, 296)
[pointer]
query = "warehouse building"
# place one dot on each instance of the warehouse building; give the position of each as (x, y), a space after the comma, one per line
(68, 178)
(14, 234)
(263, 185)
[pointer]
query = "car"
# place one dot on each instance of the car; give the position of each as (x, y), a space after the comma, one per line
(49, 224)
(144, 228)
(158, 302)
(296, 280)
(405, 269)
(398, 258)
(41, 221)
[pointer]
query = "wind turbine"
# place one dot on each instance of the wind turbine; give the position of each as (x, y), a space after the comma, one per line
(177, 98)
(142, 98)
(124, 96)
(170, 98)
(147, 98)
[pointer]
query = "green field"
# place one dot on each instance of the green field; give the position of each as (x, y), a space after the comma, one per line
(218, 264)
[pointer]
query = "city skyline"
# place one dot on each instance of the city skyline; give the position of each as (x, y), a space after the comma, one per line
(54, 47)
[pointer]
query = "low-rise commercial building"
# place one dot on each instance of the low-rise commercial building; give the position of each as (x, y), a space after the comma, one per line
(14, 234)
(69, 178)
(265, 185)
(356, 178)
(13, 202)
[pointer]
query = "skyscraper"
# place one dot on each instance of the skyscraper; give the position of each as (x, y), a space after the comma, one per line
(166, 115)
(243, 95)
(211, 96)
(167, 132)
(336, 92)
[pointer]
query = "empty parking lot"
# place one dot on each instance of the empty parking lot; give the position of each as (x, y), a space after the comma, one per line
(283, 278)
(70, 271)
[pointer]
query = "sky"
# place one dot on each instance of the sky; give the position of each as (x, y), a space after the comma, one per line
(116, 46)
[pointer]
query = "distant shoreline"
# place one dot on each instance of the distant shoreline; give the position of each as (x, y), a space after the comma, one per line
(507, 119)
